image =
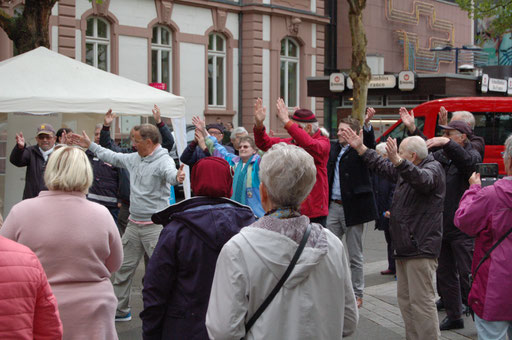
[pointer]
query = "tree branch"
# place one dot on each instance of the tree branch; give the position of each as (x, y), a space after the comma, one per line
(495, 7)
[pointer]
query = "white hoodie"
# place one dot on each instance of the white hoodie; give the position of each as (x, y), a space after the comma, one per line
(316, 302)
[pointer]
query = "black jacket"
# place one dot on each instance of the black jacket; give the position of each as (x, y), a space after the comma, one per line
(355, 182)
(458, 163)
(416, 223)
(32, 158)
(105, 186)
(383, 190)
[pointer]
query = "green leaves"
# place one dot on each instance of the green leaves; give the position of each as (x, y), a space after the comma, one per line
(498, 11)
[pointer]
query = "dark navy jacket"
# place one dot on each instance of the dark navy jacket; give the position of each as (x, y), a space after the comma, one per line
(32, 158)
(180, 273)
(383, 189)
(105, 186)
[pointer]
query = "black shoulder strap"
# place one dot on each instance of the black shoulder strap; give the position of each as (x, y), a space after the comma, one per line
(281, 282)
(488, 253)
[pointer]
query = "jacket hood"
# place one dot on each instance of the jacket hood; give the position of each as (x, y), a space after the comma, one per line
(213, 220)
(157, 153)
(504, 191)
(276, 250)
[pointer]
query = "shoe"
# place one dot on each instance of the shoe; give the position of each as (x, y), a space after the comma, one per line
(359, 302)
(448, 324)
(466, 310)
(124, 318)
(440, 305)
(387, 272)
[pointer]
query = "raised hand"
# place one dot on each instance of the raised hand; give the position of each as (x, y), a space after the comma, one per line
(200, 125)
(370, 112)
(392, 150)
(282, 111)
(156, 114)
(180, 176)
(437, 142)
(84, 141)
(475, 179)
(443, 116)
(260, 112)
(407, 119)
(109, 117)
(355, 140)
(20, 141)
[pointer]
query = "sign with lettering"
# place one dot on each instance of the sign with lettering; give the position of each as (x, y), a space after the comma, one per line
(380, 81)
(497, 85)
(160, 86)
(337, 82)
(485, 83)
(406, 80)
(509, 90)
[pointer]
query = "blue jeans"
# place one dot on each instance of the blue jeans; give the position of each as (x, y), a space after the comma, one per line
(493, 330)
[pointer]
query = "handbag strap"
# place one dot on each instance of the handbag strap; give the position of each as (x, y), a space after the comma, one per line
(281, 282)
(488, 253)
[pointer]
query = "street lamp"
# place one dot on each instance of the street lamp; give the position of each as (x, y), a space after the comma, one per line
(448, 48)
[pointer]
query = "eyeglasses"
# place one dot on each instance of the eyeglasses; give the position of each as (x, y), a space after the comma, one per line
(43, 136)
(215, 132)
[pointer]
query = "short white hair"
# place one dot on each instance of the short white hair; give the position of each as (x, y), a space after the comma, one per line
(417, 145)
(508, 148)
(465, 116)
(381, 149)
(99, 126)
(238, 130)
(288, 173)
(68, 169)
(314, 125)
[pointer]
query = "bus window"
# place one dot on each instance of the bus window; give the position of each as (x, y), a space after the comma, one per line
(400, 131)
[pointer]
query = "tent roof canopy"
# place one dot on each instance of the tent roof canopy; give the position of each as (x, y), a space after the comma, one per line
(42, 82)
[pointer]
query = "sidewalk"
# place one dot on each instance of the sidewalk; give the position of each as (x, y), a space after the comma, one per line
(379, 318)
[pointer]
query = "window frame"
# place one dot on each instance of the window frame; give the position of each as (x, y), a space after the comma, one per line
(159, 47)
(215, 54)
(287, 60)
(95, 41)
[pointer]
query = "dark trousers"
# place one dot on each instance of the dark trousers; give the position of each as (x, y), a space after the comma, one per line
(453, 274)
(391, 259)
(321, 220)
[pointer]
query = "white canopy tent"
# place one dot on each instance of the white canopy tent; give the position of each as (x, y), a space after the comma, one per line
(42, 82)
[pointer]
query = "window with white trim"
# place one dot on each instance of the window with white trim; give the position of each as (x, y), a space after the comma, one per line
(289, 79)
(97, 43)
(161, 56)
(216, 70)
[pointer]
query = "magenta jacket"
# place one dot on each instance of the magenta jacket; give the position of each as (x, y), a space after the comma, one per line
(28, 307)
(487, 214)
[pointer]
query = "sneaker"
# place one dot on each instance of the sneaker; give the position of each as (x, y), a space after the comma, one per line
(124, 318)
(387, 272)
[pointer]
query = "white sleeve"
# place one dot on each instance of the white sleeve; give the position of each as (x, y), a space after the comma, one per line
(116, 159)
(351, 313)
(229, 302)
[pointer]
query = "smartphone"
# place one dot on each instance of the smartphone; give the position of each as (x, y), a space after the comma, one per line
(488, 173)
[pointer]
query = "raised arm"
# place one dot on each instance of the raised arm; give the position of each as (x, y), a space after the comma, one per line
(20, 156)
(474, 208)
(262, 140)
(167, 138)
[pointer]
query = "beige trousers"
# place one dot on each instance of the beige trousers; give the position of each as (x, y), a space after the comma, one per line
(416, 298)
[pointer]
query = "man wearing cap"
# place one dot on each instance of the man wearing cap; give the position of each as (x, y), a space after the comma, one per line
(34, 157)
(192, 153)
(305, 132)
(458, 158)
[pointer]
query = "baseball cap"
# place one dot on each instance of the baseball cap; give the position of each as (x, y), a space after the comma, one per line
(45, 128)
(458, 125)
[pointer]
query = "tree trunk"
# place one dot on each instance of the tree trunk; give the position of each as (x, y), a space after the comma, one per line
(360, 73)
(31, 29)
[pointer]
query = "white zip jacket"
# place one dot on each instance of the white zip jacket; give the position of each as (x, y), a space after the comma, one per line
(316, 302)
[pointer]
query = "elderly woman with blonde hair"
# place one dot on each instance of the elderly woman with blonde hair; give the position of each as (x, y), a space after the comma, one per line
(251, 264)
(76, 241)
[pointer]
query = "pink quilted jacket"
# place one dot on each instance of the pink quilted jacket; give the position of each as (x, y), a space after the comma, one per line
(28, 309)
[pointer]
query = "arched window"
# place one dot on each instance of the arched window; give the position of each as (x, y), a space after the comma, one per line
(216, 70)
(161, 56)
(97, 43)
(289, 88)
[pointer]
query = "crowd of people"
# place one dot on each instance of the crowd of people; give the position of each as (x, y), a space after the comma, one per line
(258, 251)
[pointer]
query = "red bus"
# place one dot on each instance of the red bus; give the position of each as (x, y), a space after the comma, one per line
(493, 122)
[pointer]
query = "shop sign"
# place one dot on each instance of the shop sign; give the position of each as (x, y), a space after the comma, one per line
(485, 83)
(497, 85)
(509, 91)
(337, 82)
(406, 81)
(381, 81)
(160, 86)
